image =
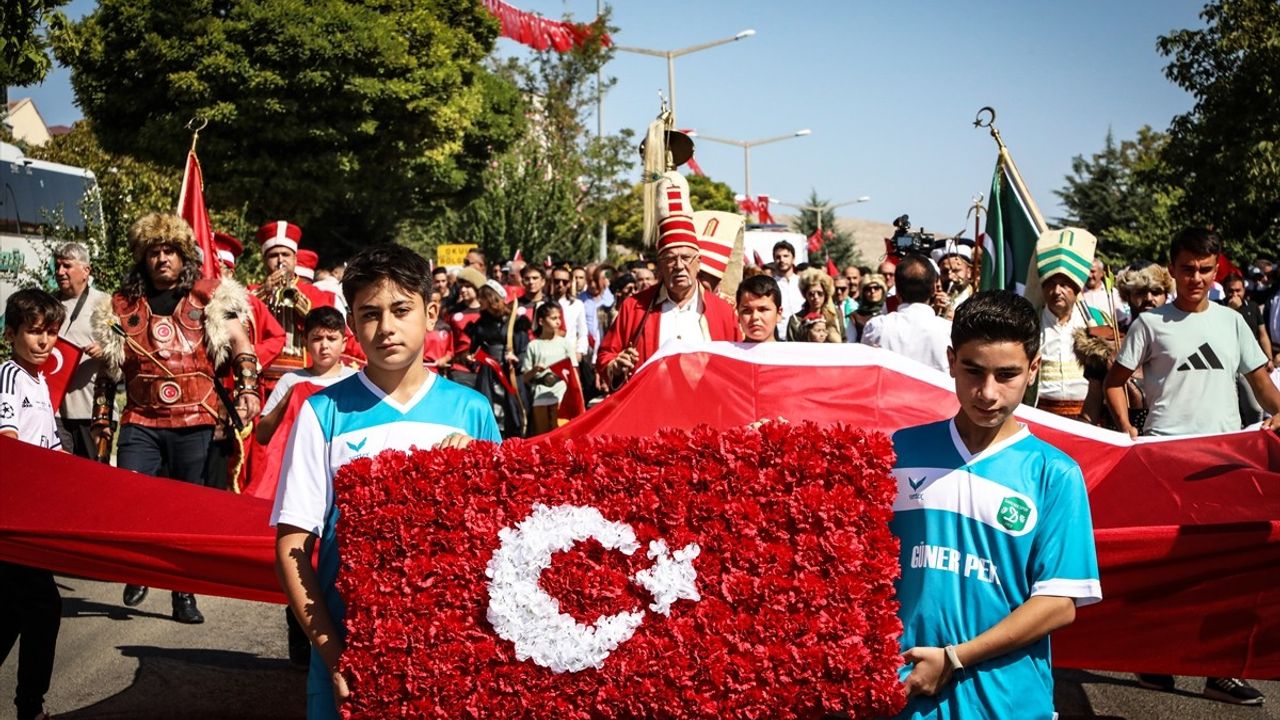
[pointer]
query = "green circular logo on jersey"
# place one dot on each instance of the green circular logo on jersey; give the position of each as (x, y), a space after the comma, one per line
(1013, 513)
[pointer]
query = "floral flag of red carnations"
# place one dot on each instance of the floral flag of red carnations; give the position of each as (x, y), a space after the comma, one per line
(700, 573)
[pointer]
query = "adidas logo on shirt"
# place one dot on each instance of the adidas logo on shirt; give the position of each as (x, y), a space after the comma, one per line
(26, 403)
(1203, 359)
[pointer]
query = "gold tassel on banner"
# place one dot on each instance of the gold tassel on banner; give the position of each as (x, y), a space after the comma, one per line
(663, 149)
(654, 152)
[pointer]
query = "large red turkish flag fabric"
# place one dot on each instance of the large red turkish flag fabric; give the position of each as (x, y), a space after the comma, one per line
(1187, 529)
(694, 574)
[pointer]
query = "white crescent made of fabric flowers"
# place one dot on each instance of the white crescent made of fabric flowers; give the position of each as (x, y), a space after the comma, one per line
(524, 614)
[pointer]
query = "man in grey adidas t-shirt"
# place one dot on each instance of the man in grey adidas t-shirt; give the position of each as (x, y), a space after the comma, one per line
(1190, 352)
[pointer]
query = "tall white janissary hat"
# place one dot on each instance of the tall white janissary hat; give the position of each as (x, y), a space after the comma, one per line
(663, 150)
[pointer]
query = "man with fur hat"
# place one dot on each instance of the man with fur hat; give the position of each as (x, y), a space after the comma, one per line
(1144, 288)
(677, 308)
(164, 332)
(1064, 259)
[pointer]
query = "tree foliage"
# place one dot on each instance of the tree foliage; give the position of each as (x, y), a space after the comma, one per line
(346, 117)
(626, 216)
(548, 193)
(1225, 153)
(839, 244)
(24, 52)
(1119, 195)
(1217, 165)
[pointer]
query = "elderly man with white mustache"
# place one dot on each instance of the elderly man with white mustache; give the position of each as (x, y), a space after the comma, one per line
(676, 308)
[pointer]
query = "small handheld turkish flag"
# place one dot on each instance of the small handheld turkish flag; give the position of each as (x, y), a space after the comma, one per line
(571, 404)
(694, 574)
(58, 369)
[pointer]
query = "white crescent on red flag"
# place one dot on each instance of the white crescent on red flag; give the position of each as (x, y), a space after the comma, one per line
(692, 575)
(1187, 529)
(63, 360)
(571, 404)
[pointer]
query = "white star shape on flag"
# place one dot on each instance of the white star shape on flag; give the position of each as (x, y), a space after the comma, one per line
(671, 577)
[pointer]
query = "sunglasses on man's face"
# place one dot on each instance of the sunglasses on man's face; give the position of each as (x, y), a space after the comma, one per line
(561, 281)
(842, 288)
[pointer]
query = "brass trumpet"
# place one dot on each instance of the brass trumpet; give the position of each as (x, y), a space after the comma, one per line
(288, 304)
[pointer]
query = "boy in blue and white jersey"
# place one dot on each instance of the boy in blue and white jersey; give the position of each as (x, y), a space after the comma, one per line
(394, 403)
(997, 540)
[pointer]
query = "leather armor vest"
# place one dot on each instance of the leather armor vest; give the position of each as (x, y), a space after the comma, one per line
(174, 387)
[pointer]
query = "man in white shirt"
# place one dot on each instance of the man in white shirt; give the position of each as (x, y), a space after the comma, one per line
(573, 314)
(1107, 299)
(784, 271)
(914, 330)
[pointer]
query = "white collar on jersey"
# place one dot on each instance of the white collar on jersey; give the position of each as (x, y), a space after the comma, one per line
(417, 397)
(970, 458)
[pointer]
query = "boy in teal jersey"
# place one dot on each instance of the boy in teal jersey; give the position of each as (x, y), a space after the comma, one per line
(997, 541)
(395, 402)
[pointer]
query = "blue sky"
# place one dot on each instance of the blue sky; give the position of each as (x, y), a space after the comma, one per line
(889, 90)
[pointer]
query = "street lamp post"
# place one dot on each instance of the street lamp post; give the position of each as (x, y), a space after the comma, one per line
(603, 250)
(746, 146)
(671, 56)
(818, 210)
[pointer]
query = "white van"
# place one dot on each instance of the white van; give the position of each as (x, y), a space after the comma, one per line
(36, 196)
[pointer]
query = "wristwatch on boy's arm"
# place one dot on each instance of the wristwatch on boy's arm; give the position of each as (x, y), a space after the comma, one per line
(953, 659)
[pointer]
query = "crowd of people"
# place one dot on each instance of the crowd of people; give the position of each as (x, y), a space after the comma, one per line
(211, 370)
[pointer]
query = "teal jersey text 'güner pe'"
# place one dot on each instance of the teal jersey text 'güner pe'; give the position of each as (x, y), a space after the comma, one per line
(981, 534)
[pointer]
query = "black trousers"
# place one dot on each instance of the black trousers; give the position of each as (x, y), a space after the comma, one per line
(76, 438)
(30, 607)
(181, 453)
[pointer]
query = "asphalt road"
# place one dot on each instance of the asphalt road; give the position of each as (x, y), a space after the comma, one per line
(136, 663)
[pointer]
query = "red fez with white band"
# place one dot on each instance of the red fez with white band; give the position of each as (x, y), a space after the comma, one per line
(228, 247)
(675, 216)
(307, 263)
(279, 233)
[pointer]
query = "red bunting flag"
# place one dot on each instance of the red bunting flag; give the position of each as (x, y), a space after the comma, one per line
(815, 241)
(832, 270)
(758, 207)
(696, 574)
(762, 209)
(540, 33)
(572, 404)
(191, 208)
(59, 367)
